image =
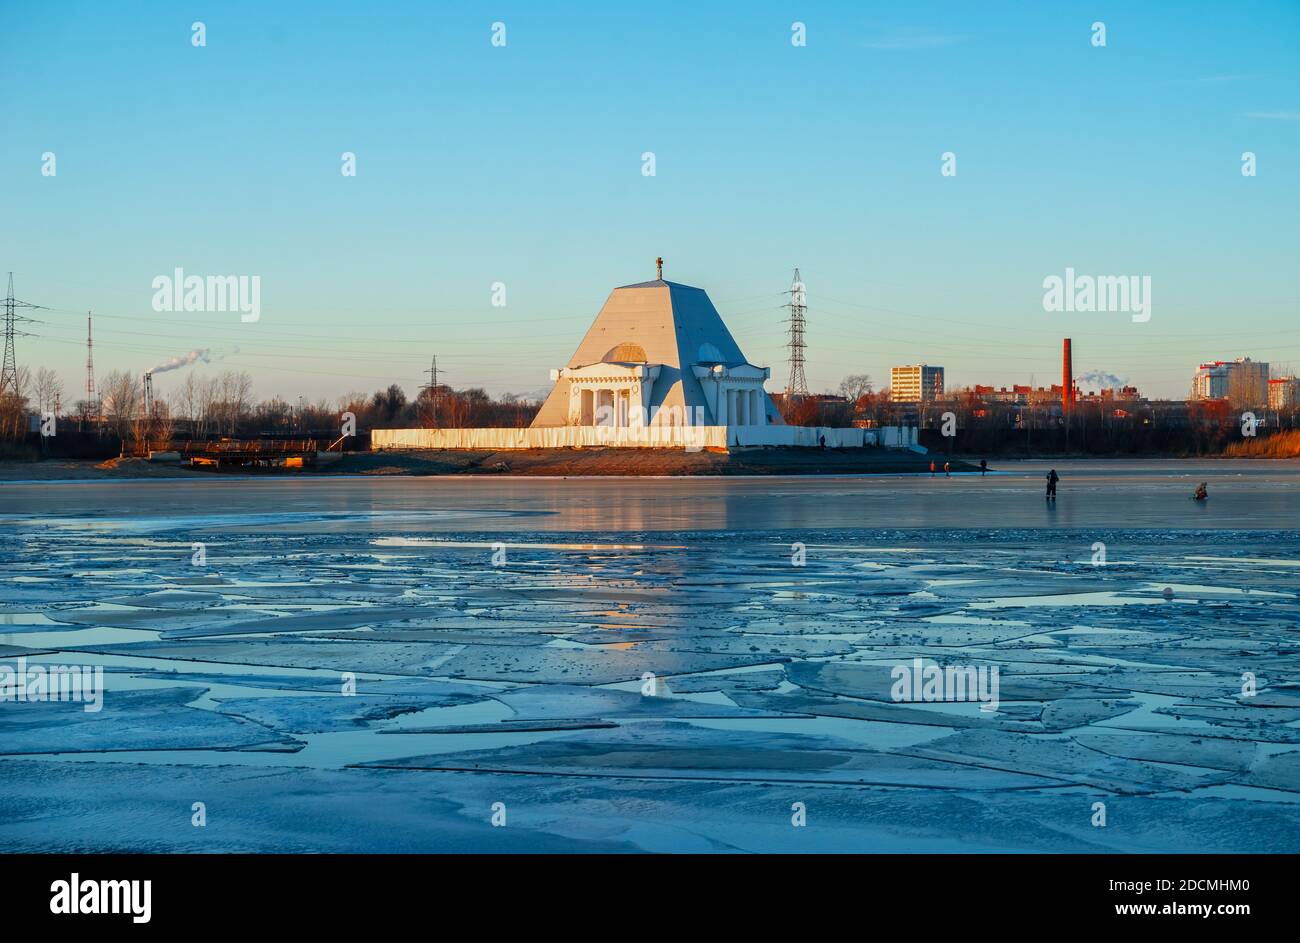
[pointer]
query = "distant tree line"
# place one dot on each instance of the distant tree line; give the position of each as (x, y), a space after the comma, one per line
(224, 405)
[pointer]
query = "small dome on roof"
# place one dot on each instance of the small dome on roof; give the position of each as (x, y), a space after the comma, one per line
(709, 354)
(625, 352)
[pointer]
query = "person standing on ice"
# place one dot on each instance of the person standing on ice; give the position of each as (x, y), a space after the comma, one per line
(984, 467)
(1052, 479)
(931, 468)
(947, 472)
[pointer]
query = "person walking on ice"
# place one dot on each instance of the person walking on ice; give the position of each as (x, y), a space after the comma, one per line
(1052, 479)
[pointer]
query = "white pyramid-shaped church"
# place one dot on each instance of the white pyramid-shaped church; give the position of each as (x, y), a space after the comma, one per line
(658, 354)
(656, 369)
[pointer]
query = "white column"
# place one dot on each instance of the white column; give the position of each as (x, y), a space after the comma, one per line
(756, 416)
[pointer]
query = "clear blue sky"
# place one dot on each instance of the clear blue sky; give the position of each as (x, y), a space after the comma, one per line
(522, 165)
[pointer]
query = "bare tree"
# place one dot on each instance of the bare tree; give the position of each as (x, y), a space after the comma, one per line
(855, 386)
(426, 409)
(232, 395)
(48, 390)
(13, 409)
(161, 426)
(359, 405)
(273, 415)
(205, 410)
(121, 393)
(185, 400)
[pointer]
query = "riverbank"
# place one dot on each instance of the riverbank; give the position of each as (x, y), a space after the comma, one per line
(532, 462)
(66, 469)
(642, 462)
(579, 463)
(1280, 445)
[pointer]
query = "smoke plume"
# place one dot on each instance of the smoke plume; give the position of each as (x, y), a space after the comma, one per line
(194, 356)
(1101, 380)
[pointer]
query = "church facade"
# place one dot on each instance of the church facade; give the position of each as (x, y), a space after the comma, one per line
(658, 354)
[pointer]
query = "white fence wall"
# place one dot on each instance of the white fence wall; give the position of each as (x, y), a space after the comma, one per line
(694, 438)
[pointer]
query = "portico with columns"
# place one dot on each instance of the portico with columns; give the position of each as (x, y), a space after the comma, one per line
(609, 394)
(735, 393)
(658, 355)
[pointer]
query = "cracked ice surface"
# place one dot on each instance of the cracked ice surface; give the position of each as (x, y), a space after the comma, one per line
(364, 678)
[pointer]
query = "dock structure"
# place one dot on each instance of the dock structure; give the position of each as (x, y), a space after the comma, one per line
(251, 453)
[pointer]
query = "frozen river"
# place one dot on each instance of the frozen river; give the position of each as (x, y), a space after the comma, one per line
(461, 664)
(1244, 495)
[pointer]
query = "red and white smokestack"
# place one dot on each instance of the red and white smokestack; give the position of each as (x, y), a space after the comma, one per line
(1067, 379)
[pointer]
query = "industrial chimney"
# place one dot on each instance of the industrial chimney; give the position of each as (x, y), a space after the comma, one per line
(1067, 379)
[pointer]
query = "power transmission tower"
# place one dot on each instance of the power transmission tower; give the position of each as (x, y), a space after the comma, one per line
(798, 384)
(90, 368)
(431, 390)
(9, 374)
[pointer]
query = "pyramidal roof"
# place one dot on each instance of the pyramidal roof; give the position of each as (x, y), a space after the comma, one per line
(655, 322)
